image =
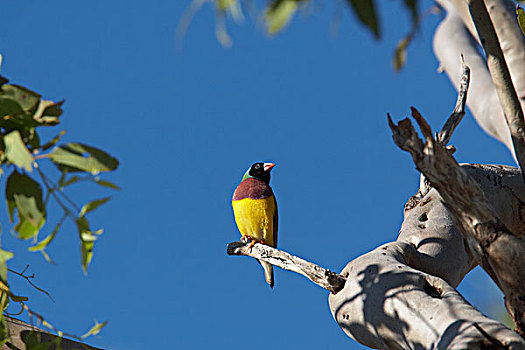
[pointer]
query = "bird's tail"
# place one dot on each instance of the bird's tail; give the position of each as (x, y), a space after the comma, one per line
(268, 272)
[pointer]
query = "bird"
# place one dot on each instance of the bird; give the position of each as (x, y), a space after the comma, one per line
(255, 210)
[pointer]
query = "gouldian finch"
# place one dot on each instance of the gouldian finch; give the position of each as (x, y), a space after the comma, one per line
(255, 210)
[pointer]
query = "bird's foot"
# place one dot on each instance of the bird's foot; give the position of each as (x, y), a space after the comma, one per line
(246, 239)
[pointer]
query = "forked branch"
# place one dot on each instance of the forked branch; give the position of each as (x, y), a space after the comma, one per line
(502, 252)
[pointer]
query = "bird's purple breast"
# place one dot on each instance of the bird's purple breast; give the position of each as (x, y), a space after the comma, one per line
(252, 188)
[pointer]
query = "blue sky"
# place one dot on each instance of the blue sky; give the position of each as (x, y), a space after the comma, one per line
(185, 125)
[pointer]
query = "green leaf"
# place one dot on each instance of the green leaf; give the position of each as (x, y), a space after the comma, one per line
(233, 7)
(9, 107)
(27, 99)
(16, 151)
(93, 205)
(21, 121)
(520, 14)
(105, 183)
(4, 256)
(95, 329)
(413, 8)
(400, 52)
(278, 15)
(46, 241)
(365, 11)
(72, 180)
(25, 195)
(4, 295)
(47, 257)
(87, 239)
(80, 157)
(53, 141)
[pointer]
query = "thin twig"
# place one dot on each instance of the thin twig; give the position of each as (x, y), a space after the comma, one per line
(55, 188)
(322, 277)
(51, 190)
(459, 111)
(28, 279)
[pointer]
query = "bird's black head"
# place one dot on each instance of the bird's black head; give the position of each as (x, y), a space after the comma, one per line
(260, 171)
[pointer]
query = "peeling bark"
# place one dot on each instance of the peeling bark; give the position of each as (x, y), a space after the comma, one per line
(501, 250)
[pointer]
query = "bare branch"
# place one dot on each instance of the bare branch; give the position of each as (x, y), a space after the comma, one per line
(322, 277)
(501, 77)
(502, 252)
(459, 111)
(28, 279)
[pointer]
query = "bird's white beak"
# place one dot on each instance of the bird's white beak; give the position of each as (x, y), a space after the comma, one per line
(268, 166)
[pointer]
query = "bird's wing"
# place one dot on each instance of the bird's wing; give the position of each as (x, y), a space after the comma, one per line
(275, 222)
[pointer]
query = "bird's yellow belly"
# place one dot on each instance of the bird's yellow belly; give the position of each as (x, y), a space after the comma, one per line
(254, 218)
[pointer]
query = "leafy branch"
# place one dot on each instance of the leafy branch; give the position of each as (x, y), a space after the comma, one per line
(23, 113)
(276, 15)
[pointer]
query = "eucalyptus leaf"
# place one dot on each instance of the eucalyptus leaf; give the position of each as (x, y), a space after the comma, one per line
(366, 12)
(25, 195)
(17, 152)
(27, 99)
(53, 141)
(72, 180)
(233, 7)
(9, 107)
(87, 239)
(413, 8)
(21, 121)
(79, 157)
(93, 205)
(520, 15)
(46, 241)
(4, 256)
(278, 14)
(95, 329)
(105, 183)
(400, 52)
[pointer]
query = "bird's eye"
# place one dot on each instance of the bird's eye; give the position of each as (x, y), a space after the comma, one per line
(257, 166)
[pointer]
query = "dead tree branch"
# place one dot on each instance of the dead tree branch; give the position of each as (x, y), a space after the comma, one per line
(459, 111)
(502, 252)
(322, 277)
